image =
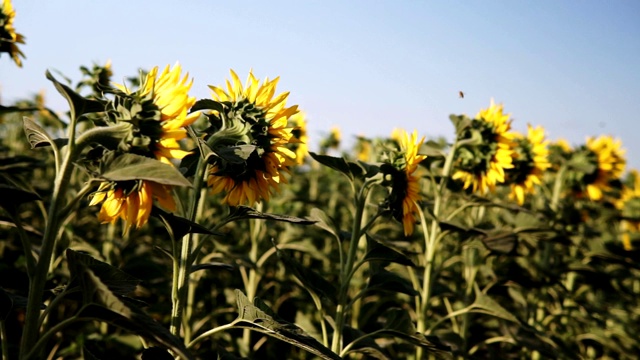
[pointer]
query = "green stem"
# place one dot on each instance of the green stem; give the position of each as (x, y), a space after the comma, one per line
(35, 350)
(208, 333)
(431, 239)
(182, 261)
(346, 272)
(36, 285)
(251, 283)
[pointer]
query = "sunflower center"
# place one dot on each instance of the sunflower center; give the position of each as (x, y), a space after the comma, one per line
(523, 161)
(477, 159)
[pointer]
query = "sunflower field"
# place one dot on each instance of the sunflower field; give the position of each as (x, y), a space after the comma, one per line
(146, 223)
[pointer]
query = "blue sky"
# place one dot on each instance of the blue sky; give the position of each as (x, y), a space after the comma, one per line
(366, 66)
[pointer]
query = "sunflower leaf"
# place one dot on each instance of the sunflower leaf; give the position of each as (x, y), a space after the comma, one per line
(135, 167)
(206, 104)
(179, 225)
(335, 163)
(385, 280)
(36, 135)
(379, 252)
(257, 316)
(245, 212)
(77, 103)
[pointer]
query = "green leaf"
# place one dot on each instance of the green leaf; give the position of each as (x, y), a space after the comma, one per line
(500, 241)
(398, 323)
(365, 345)
(238, 154)
(485, 304)
(385, 280)
(179, 225)
(260, 318)
(36, 135)
(206, 104)
(311, 280)
(78, 105)
(135, 167)
(325, 222)
(214, 265)
(116, 280)
(245, 212)
(102, 304)
(335, 163)
(379, 252)
(460, 123)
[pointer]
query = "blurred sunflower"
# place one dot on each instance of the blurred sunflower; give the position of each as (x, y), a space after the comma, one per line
(364, 149)
(131, 201)
(629, 206)
(8, 36)
(158, 113)
(262, 119)
(610, 165)
(530, 161)
(405, 188)
(298, 123)
(482, 165)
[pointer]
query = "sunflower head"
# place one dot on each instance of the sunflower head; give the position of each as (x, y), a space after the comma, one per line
(299, 138)
(401, 172)
(253, 124)
(602, 162)
(481, 163)
(131, 201)
(9, 38)
(530, 161)
(157, 112)
(364, 149)
(629, 206)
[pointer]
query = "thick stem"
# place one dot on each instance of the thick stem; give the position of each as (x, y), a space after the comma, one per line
(182, 261)
(36, 285)
(251, 284)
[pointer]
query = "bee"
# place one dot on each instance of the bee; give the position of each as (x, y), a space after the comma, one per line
(461, 94)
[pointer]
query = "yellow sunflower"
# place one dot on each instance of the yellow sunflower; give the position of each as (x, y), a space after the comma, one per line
(611, 164)
(405, 189)
(364, 149)
(483, 166)
(530, 160)
(255, 105)
(629, 205)
(300, 138)
(168, 93)
(8, 36)
(131, 201)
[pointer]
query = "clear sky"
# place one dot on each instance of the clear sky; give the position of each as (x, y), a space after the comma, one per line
(366, 66)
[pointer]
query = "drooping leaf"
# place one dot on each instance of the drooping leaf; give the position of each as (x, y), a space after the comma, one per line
(78, 105)
(485, 304)
(104, 305)
(179, 225)
(212, 266)
(385, 280)
(260, 318)
(311, 280)
(397, 323)
(135, 167)
(238, 154)
(116, 280)
(501, 242)
(335, 163)
(380, 252)
(245, 212)
(325, 222)
(36, 135)
(365, 345)
(206, 104)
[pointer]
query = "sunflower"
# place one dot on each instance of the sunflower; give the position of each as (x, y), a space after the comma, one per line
(405, 189)
(364, 149)
(483, 166)
(530, 160)
(254, 107)
(159, 112)
(300, 138)
(131, 201)
(629, 206)
(610, 165)
(8, 36)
